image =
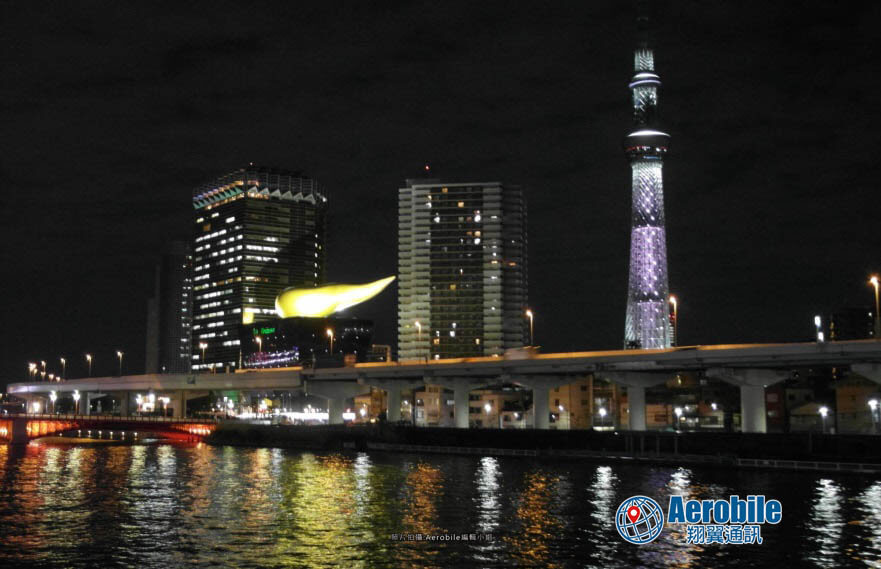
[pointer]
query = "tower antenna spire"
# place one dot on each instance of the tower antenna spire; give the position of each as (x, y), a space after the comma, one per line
(647, 321)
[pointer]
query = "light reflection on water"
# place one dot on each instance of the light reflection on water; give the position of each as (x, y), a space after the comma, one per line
(826, 523)
(196, 505)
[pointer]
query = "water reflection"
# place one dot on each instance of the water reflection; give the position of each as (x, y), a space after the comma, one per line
(826, 523)
(487, 500)
(670, 549)
(868, 548)
(158, 505)
(603, 500)
(423, 486)
(539, 527)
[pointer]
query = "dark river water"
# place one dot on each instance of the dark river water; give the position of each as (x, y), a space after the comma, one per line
(175, 505)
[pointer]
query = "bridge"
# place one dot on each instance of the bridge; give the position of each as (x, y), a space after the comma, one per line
(750, 367)
(23, 427)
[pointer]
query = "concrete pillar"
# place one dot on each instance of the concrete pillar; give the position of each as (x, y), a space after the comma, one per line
(540, 409)
(636, 383)
(335, 408)
(752, 409)
(393, 412)
(179, 402)
(460, 399)
(336, 393)
(124, 403)
(19, 432)
(752, 383)
(636, 404)
(86, 403)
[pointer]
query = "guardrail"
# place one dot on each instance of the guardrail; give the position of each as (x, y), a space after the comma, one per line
(120, 418)
(850, 467)
(452, 450)
(809, 465)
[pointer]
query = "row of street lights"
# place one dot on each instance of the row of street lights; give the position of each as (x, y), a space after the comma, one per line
(35, 369)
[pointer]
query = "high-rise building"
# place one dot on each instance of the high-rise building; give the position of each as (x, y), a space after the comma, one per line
(647, 322)
(170, 312)
(462, 288)
(257, 231)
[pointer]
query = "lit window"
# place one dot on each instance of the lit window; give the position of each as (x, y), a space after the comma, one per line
(461, 204)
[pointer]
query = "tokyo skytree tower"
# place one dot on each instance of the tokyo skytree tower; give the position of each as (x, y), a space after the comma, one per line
(647, 324)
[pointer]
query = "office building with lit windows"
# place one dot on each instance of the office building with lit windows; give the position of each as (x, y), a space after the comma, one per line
(462, 288)
(257, 231)
(170, 312)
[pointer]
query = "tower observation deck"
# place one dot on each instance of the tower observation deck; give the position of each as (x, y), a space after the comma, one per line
(647, 323)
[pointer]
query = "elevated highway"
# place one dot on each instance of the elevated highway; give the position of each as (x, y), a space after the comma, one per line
(751, 367)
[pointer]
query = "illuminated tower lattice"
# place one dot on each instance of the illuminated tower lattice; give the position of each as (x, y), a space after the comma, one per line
(647, 324)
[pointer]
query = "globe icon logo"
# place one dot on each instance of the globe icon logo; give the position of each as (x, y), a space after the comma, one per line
(639, 520)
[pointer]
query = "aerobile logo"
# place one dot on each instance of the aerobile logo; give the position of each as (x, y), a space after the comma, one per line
(639, 519)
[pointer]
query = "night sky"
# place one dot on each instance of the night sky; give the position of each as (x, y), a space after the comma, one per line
(112, 112)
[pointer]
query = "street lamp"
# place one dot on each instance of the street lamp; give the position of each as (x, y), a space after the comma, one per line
(52, 397)
(675, 303)
(418, 337)
(818, 324)
(330, 335)
(51, 377)
(119, 355)
(89, 360)
(873, 407)
(874, 281)
(63, 368)
(76, 401)
(678, 411)
(259, 341)
(32, 370)
(823, 412)
(487, 408)
(531, 317)
(602, 416)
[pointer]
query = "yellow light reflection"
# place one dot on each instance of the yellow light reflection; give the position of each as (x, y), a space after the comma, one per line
(538, 526)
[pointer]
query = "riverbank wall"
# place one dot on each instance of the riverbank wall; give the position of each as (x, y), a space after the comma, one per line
(791, 450)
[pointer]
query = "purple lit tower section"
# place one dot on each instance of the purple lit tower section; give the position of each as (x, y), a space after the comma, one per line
(647, 324)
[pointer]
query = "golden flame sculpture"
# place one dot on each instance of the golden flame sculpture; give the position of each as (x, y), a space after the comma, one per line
(325, 300)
